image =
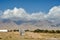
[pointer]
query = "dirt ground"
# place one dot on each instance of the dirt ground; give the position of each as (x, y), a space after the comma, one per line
(29, 36)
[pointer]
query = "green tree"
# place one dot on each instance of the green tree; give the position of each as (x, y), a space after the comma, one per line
(57, 31)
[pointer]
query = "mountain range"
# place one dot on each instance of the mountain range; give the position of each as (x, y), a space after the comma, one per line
(31, 25)
(19, 18)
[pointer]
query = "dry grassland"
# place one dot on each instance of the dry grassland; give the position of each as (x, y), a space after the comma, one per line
(29, 36)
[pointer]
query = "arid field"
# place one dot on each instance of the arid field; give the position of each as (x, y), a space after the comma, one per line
(29, 36)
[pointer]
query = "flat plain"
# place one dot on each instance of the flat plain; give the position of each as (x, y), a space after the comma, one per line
(29, 36)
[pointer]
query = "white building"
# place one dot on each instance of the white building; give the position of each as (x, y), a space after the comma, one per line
(22, 32)
(3, 30)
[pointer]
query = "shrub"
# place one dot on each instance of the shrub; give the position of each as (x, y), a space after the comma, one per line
(57, 31)
(16, 30)
(38, 30)
(45, 31)
(26, 30)
(51, 31)
(9, 30)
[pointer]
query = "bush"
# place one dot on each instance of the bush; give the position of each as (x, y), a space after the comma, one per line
(51, 31)
(9, 30)
(57, 31)
(45, 31)
(26, 30)
(38, 30)
(16, 30)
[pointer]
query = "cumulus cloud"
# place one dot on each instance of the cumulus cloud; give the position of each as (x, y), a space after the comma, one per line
(38, 16)
(54, 12)
(21, 14)
(15, 14)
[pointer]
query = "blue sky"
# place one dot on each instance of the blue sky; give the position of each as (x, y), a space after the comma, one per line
(29, 5)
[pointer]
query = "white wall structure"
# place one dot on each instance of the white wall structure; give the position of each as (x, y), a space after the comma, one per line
(22, 32)
(3, 30)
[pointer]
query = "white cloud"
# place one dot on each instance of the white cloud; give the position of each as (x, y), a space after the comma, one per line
(54, 12)
(15, 14)
(38, 16)
(21, 14)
